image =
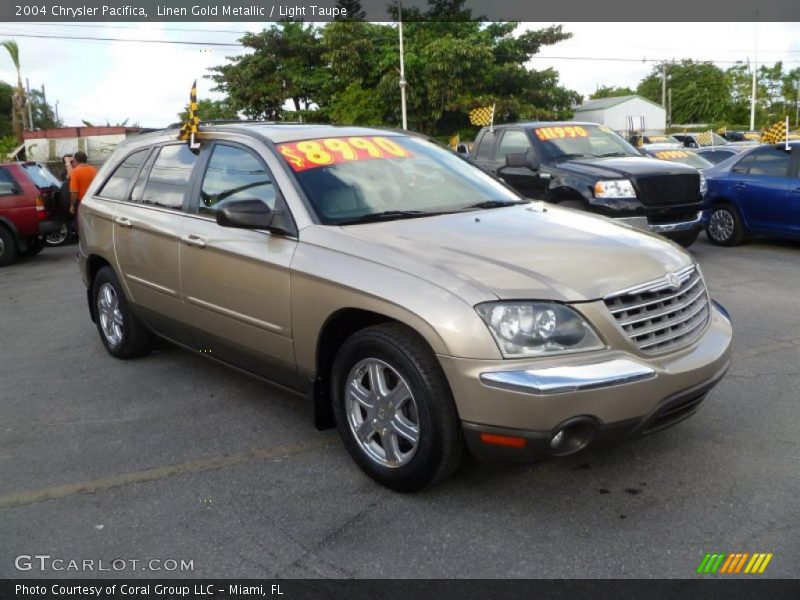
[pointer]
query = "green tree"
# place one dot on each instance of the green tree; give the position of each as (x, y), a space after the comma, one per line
(608, 91)
(44, 116)
(284, 65)
(348, 71)
(211, 110)
(700, 91)
(6, 110)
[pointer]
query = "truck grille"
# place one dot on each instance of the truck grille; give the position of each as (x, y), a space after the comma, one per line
(658, 316)
(657, 190)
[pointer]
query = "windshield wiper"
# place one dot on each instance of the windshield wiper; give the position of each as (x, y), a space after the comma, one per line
(387, 215)
(607, 154)
(496, 203)
(570, 156)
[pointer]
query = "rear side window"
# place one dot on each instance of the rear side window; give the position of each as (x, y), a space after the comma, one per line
(41, 176)
(169, 177)
(770, 162)
(116, 187)
(744, 165)
(485, 147)
(512, 142)
(234, 173)
(8, 186)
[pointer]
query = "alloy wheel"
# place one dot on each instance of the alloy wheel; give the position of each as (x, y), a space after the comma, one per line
(382, 413)
(110, 315)
(721, 225)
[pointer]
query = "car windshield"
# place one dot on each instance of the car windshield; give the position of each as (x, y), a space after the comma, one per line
(685, 157)
(357, 179)
(579, 141)
(41, 176)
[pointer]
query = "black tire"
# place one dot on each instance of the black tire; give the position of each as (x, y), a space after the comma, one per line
(440, 447)
(725, 227)
(8, 247)
(685, 239)
(134, 338)
(61, 237)
(34, 247)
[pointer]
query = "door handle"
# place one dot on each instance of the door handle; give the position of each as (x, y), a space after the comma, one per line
(194, 240)
(740, 186)
(796, 190)
(123, 222)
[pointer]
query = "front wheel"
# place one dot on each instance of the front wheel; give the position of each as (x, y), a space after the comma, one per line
(8, 247)
(725, 226)
(123, 335)
(394, 409)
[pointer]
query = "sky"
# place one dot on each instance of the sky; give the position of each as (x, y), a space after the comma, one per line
(104, 81)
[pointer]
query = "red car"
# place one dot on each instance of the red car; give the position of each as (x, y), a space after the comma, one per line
(28, 209)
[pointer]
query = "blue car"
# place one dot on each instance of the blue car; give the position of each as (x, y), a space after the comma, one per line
(757, 192)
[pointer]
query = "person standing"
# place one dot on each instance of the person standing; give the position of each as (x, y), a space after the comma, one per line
(79, 180)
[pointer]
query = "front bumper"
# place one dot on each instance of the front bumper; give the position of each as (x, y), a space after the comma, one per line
(513, 414)
(694, 224)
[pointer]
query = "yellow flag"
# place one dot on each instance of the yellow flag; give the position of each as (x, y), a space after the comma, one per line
(482, 116)
(705, 139)
(193, 121)
(775, 133)
(454, 141)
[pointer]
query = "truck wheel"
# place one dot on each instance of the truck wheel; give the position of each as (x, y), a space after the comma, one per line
(60, 237)
(725, 226)
(123, 335)
(8, 247)
(394, 409)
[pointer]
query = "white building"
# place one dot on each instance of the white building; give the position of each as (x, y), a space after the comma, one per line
(623, 113)
(49, 145)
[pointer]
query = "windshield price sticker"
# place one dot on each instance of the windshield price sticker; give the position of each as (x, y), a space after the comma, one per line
(659, 138)
(672, 154)
(324, 152)
(559, 133)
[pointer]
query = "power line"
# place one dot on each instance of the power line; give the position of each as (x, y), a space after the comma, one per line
(109, 39)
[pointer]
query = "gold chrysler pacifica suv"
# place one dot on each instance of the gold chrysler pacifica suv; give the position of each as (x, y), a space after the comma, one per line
(424, 307)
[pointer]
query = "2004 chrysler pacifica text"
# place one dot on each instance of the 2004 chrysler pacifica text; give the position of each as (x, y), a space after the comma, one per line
(423, 305)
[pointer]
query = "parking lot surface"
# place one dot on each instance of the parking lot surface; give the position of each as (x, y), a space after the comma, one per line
(173, 457)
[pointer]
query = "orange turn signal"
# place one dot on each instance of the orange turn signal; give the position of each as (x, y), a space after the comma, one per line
(503, 440)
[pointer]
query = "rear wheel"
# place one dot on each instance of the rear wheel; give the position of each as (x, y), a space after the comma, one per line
(394, 409)
(123, 335)
(725, 226)
(8, 247)
(60, 237)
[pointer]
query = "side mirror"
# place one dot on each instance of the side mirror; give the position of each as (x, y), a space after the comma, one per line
(249, 213)
(521, 160)
(643, 152)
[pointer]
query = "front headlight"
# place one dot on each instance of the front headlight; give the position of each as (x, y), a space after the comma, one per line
(537, 328)
(614, 188)
(703, 184)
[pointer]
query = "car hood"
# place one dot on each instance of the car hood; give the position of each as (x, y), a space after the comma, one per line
(525, 251)
(623, 167)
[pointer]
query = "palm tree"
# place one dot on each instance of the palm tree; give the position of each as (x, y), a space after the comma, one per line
(19, 95)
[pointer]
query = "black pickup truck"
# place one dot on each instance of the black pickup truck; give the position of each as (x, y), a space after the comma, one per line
(589, 167)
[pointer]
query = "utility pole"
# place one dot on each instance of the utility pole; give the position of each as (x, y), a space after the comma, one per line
(669, 107)
(403, 82)
(797, 104)
(56, 108)
(664, 85)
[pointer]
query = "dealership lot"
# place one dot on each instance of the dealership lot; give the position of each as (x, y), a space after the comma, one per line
(173, 457)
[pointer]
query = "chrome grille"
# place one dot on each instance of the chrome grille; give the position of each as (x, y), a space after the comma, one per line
(658, 316)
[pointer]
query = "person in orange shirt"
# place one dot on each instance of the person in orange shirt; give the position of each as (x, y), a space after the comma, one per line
(81, 177)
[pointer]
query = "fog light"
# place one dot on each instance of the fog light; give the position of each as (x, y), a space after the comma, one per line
(557, 439)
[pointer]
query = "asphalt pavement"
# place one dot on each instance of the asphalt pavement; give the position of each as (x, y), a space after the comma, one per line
(175, 458)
